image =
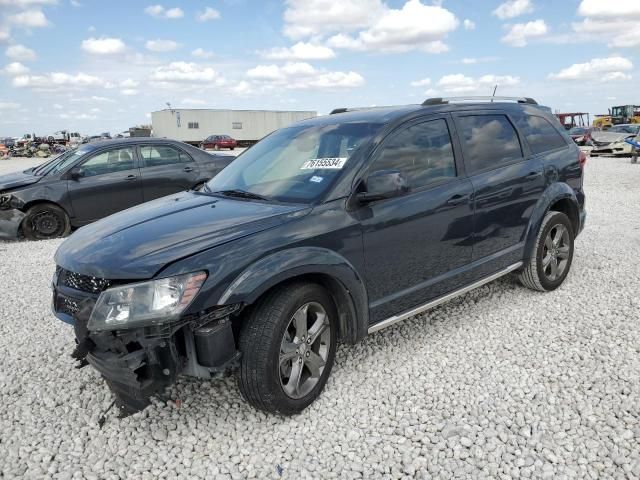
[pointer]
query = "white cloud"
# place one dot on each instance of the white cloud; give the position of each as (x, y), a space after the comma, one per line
(300, 51)
(8, 105)
(93, 98)
(129, 91)
(161, 45)
(520, 33)
(421, 83)
(462, 84)
(303, 76)
(413, 27)
(59, 80)
(184, 73)
(202, 53)
(513, 8)
(208, 14)
(33, 18)
(129, 83)
(15, 68)
(103, 46)
(615, 23)
(4, 34)
(158, 11)
(242, 88)
(476, 60)
(193, 101)
(57, 106)
(597, 69)
(27, 3)
(469, 24)
(20, 52)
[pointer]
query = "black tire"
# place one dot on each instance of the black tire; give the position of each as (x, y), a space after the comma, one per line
(261, 339)
(45, 221)
(232, 148)
(538, 273)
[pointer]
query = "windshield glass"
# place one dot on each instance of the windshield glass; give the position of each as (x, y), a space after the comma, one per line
(624, 129)
(577, 131)
(61, 162)
(295, 164)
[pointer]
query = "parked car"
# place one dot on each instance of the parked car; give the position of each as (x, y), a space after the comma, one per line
(217, 142)
(581, 135)
(327, 230)
(612, 141)
(97, 179)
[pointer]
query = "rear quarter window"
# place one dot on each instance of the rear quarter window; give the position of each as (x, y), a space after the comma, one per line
(541, 135)
(490, 141)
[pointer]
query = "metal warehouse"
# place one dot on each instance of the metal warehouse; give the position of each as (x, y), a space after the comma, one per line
(192, 125)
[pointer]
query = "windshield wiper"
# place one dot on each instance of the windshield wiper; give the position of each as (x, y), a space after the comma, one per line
(241, 194)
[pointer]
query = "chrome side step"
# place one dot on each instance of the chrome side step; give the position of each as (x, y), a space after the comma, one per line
(440, 300)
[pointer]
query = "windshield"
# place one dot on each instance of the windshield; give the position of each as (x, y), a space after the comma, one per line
(577, 131)
(625, 129)
(59, 163)
(295, 164)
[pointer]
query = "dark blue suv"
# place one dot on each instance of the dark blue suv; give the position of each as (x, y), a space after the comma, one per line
(323, 232)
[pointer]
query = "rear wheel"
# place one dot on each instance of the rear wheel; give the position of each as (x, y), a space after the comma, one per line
(45, 221)
(288, 347)
(552, 255)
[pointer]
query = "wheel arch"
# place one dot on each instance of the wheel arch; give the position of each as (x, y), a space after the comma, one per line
(558, 197)
(317, 265)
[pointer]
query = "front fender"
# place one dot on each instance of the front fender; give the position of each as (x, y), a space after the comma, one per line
(553, 193)
(287, 264)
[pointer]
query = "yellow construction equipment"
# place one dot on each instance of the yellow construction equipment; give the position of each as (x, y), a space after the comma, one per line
(618, 115)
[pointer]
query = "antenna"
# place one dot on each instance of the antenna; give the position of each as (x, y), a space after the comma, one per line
(494, 92)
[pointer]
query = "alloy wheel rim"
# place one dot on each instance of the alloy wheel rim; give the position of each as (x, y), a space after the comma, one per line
(304, 350)
(556, 252)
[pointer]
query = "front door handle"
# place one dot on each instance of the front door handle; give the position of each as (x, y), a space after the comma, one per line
(458, 199)
(188, 169)
(131, 177)
(533, 176)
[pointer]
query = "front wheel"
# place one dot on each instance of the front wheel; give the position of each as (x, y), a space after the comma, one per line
(552, 255)
(45, 221)
(288, 346)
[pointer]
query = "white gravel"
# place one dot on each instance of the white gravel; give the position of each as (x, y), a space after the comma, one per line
(503, 382)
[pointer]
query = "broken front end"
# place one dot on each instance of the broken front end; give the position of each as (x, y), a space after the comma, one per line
(137, 335)
(10, 216)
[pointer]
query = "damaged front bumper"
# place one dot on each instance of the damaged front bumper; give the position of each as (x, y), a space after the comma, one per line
(10, 221)
(142, 362)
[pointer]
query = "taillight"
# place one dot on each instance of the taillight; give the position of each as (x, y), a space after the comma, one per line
(582, 159)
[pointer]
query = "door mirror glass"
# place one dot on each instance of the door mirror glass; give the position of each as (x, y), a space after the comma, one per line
(384, 184)
(76, 173)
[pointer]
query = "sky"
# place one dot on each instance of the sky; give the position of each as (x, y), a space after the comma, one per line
(98, 66)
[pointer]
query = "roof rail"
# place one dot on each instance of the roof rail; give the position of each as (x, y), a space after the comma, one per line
(339, 110)
(442, 101)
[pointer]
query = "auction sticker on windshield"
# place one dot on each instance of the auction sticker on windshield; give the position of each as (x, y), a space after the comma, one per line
(328, 163)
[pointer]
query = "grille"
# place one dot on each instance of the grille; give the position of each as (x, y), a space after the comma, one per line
(84, 283)
(68, 306)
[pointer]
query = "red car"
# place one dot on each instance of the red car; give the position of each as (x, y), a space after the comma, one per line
(216, 142)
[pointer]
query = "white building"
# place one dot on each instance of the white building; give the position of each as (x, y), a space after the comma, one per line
(192, 125)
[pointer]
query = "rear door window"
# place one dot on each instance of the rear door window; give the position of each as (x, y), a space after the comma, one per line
(158, 155)
(490, 141)
(540, 134)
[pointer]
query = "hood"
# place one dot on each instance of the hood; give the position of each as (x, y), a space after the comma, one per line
(604, 138)
(17, 179)
(137, 243)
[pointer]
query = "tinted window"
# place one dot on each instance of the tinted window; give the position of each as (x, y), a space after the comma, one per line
(540, 134)
(161, 155)
(490, 141)
(108, 162)
(422, 152)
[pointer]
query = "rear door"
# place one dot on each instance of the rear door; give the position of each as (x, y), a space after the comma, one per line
(507, 184)
(110, 182)
(165, 170)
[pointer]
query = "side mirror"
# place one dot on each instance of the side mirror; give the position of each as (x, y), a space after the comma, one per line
(76, 173)
(384, 184)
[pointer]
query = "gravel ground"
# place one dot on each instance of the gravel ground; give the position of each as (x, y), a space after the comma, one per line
(502, 382)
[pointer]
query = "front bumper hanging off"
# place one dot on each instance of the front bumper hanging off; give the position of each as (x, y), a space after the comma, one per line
(10, 221)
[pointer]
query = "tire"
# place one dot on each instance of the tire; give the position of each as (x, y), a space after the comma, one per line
(266, 376)
(539, 273)
(45, 221)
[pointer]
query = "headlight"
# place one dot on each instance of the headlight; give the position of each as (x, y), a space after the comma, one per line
(147, 303)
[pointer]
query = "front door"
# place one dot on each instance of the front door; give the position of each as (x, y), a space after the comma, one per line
(414, 243)
(166, 170)
(109, 182)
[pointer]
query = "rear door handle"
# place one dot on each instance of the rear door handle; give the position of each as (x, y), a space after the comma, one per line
(457, 199)
(533, 175)
(188, 169)
(131, 177)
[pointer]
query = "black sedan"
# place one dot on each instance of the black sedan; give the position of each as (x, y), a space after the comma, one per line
(96, 180)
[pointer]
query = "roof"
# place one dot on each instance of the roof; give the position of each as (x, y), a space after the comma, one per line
(178, 109)
(125, 141)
